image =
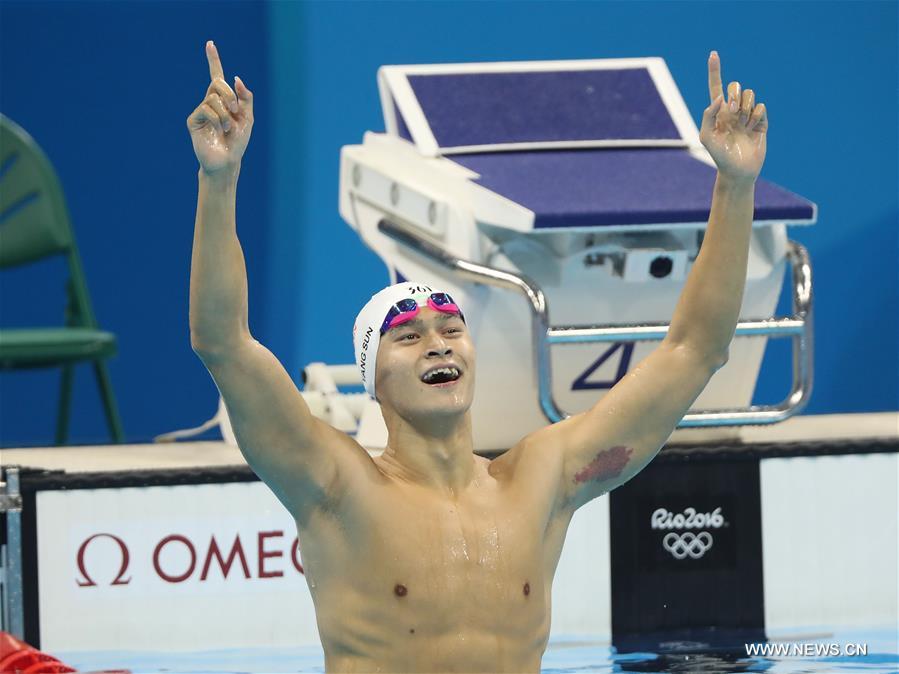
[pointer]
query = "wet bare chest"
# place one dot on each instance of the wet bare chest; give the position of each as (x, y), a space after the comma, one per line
(459, 551)
(442, 562)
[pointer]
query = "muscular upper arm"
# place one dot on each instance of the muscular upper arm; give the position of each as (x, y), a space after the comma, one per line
(305, 461)
(611, 442)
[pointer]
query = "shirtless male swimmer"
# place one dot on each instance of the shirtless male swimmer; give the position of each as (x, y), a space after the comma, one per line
(430, 558)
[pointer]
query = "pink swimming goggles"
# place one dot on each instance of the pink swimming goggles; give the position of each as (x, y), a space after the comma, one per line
(407, 309)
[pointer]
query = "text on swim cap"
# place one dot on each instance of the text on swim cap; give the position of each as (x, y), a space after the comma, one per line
(365, 341)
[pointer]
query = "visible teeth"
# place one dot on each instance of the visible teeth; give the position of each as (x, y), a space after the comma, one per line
(450, 372)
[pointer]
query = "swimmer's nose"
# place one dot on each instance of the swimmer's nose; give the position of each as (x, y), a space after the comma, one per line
(439, 349)
(436, 344)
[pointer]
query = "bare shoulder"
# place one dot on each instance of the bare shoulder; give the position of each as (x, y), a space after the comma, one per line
(354, 471)
(532, 467)
(534, 452)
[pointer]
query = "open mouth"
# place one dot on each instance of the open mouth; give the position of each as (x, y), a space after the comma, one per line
(441, 375)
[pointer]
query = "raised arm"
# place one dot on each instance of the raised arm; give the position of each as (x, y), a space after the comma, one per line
(597, 450)
(303, 460)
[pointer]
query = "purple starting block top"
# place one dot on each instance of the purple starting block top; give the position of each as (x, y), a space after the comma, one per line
(478, 114)
(613, 186)
(465, 109)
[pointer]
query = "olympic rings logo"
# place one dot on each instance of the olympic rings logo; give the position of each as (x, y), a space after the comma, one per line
(688, 544)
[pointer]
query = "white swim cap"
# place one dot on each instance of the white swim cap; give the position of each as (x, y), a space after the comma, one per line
(367, 328)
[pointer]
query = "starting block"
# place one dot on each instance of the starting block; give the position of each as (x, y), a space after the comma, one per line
(579, 186)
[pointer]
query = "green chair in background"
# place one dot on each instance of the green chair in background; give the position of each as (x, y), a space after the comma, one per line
(34, 225)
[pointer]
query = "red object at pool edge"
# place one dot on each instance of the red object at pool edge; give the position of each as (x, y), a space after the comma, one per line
(17, 657)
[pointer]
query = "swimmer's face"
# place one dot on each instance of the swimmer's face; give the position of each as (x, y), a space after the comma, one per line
(426, 366)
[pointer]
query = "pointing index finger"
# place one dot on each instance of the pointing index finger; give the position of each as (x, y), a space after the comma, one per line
(715, 89)
(215, 63)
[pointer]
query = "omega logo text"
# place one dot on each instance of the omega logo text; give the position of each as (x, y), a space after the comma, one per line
(196, 555)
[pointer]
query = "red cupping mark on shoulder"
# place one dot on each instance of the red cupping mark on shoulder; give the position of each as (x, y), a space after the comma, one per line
(607, 464)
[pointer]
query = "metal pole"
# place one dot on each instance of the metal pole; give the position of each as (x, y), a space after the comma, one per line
(11, 505)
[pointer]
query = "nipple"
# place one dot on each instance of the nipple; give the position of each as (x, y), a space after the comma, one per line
(400, 590)
(527, 589)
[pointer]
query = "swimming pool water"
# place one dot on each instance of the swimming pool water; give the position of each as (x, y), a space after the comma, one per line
(564, 655)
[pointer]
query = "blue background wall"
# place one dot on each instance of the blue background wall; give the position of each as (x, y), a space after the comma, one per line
(105, 89)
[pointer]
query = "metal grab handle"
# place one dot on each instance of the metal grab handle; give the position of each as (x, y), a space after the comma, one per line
(798, 327)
